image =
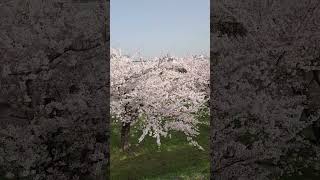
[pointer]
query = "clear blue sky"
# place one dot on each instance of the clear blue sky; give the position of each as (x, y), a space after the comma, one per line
(157, 27)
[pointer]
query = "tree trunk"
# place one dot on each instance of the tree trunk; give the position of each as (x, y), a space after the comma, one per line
(125, 132)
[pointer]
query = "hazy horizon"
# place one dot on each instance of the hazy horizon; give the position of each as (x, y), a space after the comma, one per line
(156, 28)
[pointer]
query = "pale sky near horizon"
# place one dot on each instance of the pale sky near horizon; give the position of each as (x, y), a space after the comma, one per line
(158, 27)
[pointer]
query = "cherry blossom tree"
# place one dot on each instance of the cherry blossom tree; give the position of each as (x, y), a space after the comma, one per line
(163, 95)
(53, 89)
(265, 56)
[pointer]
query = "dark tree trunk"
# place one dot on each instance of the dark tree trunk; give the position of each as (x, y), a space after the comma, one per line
(125, 132)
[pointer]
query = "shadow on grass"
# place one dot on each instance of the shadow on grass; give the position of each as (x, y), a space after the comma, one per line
(175, 159)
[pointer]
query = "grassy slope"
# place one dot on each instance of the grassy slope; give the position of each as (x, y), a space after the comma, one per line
(175, 159)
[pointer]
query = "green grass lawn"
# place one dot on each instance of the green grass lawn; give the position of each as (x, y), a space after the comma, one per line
(175, 159)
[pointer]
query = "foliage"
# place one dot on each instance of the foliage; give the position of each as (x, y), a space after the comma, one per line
(260, 87)
(166, 91)
(53, 90)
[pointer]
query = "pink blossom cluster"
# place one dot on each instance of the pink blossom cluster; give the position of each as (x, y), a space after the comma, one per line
(162, 94)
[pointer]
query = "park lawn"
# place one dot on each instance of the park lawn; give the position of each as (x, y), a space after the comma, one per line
(175, 159)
